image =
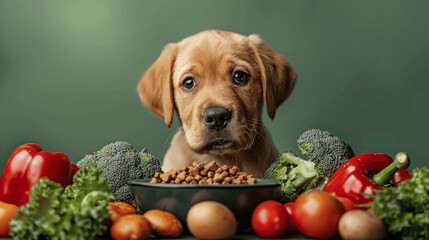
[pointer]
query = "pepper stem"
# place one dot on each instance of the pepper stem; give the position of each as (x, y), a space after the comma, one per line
(402, 160)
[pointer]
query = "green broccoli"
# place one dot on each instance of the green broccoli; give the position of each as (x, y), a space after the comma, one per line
(329, 152)
(122, 163)
(295, 176)
(149, 163)
(325, 153)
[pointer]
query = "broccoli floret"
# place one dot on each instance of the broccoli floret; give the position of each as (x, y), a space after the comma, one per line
(150, 163)
(325, 153)
(329, 152)
(295, 175)
(122, 163)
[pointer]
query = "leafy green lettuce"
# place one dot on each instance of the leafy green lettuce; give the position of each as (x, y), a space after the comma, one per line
(405, 210)
(75, 213)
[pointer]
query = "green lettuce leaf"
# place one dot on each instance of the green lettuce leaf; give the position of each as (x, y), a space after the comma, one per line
(75, 214)
(405, 210)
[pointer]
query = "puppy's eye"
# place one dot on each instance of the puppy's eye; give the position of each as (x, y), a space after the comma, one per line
(189, 84)
(240, 78)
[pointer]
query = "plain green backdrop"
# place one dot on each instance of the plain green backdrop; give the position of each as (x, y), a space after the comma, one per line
(69, 70)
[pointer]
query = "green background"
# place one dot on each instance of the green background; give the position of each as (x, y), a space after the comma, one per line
(69, 70)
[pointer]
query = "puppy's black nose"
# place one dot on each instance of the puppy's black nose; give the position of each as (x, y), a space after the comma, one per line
(216, 117)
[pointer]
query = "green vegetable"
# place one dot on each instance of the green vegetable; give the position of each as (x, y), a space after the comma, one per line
(405, 210)
(295, 175)
(329, 152)
(76, 213)
(326, 153)
(122, 163)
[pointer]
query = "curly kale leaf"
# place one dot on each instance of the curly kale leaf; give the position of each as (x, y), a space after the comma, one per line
(40, 216)
(85, 181)
(77, 213)
(405, 210)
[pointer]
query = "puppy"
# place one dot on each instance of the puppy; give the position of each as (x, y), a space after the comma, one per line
(217, 82)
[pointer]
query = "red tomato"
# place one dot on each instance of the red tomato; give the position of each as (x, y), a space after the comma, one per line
(317, 213)
(270, 219)
(291, 227)
(347, 203)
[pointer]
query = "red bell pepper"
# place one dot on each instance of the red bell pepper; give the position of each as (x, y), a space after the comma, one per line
(26, 165)
(366, 173)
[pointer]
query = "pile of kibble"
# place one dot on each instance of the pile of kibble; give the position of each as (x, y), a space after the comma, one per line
(201, 173)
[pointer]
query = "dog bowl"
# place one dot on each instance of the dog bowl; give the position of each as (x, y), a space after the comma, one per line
(177, 199)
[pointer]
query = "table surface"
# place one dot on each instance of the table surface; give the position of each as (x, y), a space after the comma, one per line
(237, 237)
(244, 235)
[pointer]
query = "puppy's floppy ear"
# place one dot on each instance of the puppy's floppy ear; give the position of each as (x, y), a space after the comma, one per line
(155, 87)
(277, 75)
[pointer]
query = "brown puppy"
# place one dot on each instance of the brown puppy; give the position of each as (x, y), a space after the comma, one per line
(217, 81)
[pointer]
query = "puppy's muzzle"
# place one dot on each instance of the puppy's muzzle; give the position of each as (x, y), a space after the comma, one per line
(216, 118)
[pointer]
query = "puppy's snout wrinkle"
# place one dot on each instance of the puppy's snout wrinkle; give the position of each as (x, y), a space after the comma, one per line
(216, 117)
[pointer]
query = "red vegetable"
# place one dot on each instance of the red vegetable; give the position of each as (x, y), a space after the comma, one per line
(7, 212)
(270, 219)
(354, 176)
(74, 169)
(291, 227)
(347, 203)
(316, 214)
(26, 165)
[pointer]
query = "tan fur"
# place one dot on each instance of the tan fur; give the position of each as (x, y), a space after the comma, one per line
(211, 57)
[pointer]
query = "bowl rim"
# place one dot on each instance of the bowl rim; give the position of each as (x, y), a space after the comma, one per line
(262, 182)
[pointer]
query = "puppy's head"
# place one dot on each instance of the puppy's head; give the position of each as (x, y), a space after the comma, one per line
(217, 82)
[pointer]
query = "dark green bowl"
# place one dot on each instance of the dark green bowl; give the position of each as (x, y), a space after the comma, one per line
(177, 199)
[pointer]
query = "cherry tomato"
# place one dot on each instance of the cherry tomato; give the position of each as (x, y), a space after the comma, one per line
(7, 212)
(270, 219)
(316, 214)
(291, 227)
(347, 203)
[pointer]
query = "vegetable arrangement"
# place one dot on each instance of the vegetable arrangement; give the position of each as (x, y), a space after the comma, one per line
(76, 213)
(368, 196)
(382, 196)
(353, 178)
(325, 153)
(84, 209)
(26, 165)
(122, 163)
(127, 224)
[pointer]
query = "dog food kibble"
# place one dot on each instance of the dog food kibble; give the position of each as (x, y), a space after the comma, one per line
(200, 173)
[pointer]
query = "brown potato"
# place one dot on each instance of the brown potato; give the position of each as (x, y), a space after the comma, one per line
(164, 223)
(119, 209)
(358, 224)
(211, 220)
(131, 227)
